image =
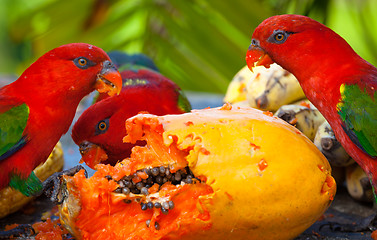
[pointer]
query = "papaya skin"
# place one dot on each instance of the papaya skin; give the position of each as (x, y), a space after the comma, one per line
(264, 178)
(273, 178)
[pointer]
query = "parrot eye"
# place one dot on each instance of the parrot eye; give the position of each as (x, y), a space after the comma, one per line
(102, 126)
(278, 37)
(83, 63)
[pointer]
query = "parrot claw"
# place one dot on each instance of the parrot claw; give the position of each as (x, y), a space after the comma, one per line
(366, 224)
(53, 187)
(22, 230)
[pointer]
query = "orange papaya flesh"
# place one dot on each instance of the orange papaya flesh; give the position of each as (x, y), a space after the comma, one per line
(102, 202)
(117, 216)
(243, 174)
(49, 229)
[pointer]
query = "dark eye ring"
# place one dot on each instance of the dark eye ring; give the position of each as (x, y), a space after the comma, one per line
(279, 36)
(82, 62)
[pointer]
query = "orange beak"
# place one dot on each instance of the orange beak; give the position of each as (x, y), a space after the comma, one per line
(109, 79)
(92, 154)
(256, 56)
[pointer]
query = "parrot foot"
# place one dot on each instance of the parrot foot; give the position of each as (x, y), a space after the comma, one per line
(53, 186)
(22, 230)
(366, 224)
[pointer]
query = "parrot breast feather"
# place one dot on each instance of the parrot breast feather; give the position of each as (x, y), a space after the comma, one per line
(358, 111)
(12, 125)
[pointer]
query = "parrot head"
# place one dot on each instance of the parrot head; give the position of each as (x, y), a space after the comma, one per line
(98, 63)
(75, 69)
(99, 132)
(100, 129)
(299, 44)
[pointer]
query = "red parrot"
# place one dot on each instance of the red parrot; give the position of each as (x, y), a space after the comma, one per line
(38, 108)
(100, 129)
(340, 83)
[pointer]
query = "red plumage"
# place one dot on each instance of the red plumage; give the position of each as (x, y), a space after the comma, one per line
(52, 88)
(143, 90)
(324, 63)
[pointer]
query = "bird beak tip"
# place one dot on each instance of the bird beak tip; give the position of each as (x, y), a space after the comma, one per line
(92, 154)
(109, 80)
(256, 56)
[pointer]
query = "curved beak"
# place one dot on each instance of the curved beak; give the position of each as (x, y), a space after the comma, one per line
(256, 56)
(109, 79)
(92, 154)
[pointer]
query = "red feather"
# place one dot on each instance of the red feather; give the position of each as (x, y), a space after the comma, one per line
(52, 87)
(322, 61)
(155, 94)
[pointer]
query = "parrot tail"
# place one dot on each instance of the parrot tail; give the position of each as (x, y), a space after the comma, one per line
(31, 186)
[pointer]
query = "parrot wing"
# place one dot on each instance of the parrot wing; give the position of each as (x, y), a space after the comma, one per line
(12, 125)
(183, 102)
(358, 112)
(13, 122)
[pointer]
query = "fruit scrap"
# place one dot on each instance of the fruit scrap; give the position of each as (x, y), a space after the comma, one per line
(49, 229)
(268, 113)
(226, 106)
(262, 165)
(374, 235)
(305, 104)
(42, 230)
(328, 186)
(255, 147)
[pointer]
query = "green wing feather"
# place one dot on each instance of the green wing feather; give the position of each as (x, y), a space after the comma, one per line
(358, 111)
(12, 138)
(183, 102)
(29, 187)
(12, 125)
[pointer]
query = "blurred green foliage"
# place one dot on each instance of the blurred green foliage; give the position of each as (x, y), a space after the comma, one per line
(200, 44)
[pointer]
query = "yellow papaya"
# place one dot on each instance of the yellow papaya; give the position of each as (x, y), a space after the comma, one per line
(223, 173)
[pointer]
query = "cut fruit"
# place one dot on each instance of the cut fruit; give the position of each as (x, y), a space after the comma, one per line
(210, 174)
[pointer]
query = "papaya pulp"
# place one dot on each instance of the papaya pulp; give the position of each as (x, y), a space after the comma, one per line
(219, 173)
